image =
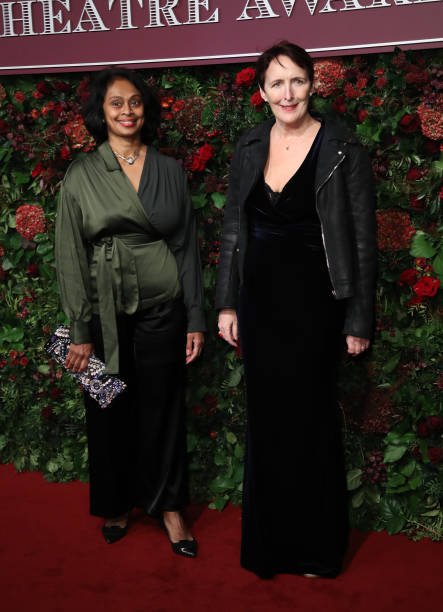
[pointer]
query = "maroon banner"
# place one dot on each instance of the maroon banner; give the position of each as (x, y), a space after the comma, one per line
(73, 35)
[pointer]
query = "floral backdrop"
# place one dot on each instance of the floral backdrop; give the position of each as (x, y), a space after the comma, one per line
(390, 399)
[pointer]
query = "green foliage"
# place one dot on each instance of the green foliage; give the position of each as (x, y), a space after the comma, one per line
(391, 398)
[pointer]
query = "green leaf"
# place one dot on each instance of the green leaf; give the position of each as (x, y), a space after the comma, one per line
(231, 437)
(415, 482)
(43, 368)
(52, 466)
(395, 524)
(358, 499)
(44, 247)
(396, 480)
(394, 453)
(220, 503)
(437, 264)
(391, 364)
(199, 200)
(219, 199)
(421, 246)
(408, 469)
(354, 479)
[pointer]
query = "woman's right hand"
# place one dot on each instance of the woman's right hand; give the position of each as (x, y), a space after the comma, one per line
(78, 357)
(228, 326)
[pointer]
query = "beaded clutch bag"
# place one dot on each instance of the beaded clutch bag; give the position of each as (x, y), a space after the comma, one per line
(100, 386)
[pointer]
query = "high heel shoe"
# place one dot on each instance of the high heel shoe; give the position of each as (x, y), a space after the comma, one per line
(114, 533)
(185, 548)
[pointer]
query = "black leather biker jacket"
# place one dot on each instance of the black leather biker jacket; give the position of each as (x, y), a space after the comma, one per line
(345, 202)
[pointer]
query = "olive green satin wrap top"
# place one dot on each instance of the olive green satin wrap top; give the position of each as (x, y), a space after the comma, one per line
(119, 251)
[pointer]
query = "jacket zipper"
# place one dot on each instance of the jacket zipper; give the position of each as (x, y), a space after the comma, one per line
(334, 293)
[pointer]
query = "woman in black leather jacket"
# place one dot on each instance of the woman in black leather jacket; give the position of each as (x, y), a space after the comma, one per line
(297, 268)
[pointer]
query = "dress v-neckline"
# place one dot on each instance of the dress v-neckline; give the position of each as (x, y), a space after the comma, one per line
(307, 156)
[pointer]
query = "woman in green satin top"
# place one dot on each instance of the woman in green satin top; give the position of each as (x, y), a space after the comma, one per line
(129, 275)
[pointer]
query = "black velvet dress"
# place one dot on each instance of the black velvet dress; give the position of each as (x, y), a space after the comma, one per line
(295, 506)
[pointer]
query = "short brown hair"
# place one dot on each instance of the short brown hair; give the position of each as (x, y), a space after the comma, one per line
(297, 54)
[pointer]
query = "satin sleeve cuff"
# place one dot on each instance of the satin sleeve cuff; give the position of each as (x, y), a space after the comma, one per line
(80, 332)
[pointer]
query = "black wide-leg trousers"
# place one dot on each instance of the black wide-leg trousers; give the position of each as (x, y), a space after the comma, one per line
(137, 445)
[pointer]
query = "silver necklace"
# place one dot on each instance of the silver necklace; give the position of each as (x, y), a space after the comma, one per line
(130, 159)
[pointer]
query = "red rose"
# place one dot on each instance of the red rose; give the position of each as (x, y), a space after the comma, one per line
(46, 413)
(414, 301)
(42, 87)
(32, 270)
(379, 71)
(409, 123)
(19, 96)
(426, 286)
(24, 361)
(381, 82)
(55, 393)
(178, 106)
(339, 104)
(65, 152)
(362, 114)
(256, 100)
(416, 203)
(422, 430)
(35, 114)
(206, 152)
(377, 101)
(414, 174)
(37, 170)
(435, 454)
(245, 77)
(420, 262)
(37, 95)
(408, 277)
(196, 164)
(62, 86)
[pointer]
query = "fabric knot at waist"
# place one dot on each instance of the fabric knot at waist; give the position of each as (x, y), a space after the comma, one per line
(117, 287)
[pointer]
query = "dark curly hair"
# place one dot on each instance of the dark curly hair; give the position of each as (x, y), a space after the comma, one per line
(297, 54)
(93, 107)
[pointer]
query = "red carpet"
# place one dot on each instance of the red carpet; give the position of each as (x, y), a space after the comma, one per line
(53, 559)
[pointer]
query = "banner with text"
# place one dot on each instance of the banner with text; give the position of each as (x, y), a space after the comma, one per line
(73, 35)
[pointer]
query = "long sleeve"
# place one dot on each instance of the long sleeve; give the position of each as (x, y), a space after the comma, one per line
(184, 245)
(228, 273)
(72, 266)
(360, 185)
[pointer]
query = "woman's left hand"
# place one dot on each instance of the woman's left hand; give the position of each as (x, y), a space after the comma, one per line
(194, 345)
(357, 345)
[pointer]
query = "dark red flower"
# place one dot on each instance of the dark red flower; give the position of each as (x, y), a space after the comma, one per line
(417, 203)
(42, 87)
(394, 230)
(339, 105)
(65, 152)
(245, 77)
(381, 82)
(362, 114)
(328, 74)
(414, 174)
(435, 423)
(414, 301)
(3, 126)
(55, 393)
(435, 454)
(408, 277)
(409, 123)
(32, 270)
(19, 96)
(206, 152)
(422, 430)
(23, 361)
(46, 413)
(426, 286)
(30, 220)
(178, 106)
(37, 170)
(377, 101)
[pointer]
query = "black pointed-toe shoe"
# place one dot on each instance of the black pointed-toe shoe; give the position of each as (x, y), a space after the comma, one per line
(114, 533)
(185, 548)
